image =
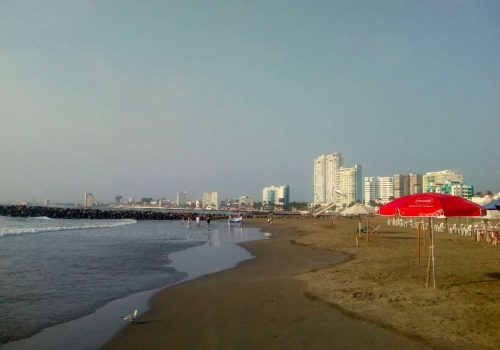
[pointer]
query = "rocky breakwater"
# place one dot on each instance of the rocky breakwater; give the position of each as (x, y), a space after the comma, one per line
(81, 213)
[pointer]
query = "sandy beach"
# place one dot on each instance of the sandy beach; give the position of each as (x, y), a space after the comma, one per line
(310, 287)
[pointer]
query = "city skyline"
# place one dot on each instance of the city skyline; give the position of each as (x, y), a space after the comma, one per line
(144, 99)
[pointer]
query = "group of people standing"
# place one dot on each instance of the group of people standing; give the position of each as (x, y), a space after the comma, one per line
(198, 220)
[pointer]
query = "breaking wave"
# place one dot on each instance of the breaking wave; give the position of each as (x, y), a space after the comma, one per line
(8, 231)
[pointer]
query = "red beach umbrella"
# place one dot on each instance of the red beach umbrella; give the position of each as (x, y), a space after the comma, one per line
(431, 205)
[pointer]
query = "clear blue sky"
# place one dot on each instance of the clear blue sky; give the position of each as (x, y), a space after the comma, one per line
(145, 98)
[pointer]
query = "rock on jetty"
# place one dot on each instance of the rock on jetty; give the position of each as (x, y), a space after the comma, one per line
(80, 213)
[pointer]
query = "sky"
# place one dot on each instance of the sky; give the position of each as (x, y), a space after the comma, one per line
(147, 98)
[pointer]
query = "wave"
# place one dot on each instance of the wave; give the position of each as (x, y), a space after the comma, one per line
(8, 231)
(40, 218)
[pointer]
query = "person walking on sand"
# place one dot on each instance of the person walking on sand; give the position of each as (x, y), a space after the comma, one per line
(197, 220)
(208, 221)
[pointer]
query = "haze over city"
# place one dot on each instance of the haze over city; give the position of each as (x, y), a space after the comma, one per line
(150, 98)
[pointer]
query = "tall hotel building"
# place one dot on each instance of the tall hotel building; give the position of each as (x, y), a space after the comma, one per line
(89, 200)
(379, 189)
(433, 180)
(349, 185)
(276, 195)
(181, 199)
(447, 181)
(407, 184)
(415, 183)
(326, 168)
(211, 199)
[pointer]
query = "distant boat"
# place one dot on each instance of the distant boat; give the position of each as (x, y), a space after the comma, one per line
(236, 220)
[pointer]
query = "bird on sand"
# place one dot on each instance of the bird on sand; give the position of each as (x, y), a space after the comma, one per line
(131, 317)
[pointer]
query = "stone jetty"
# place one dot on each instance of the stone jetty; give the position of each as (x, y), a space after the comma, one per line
(91, 213)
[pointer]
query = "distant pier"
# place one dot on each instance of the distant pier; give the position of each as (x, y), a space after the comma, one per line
(92, 213)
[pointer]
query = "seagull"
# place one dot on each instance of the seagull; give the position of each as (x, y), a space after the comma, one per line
(131, 317)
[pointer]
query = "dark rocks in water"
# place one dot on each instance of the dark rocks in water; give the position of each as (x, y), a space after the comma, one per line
(87, 213)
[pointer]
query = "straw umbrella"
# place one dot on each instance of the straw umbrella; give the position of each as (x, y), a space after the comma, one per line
(360, 211)
(431, 205)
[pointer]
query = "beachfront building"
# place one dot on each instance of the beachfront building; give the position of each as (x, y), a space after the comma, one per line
(462, 190)
(434, 180)
(401, 185)
(276, 195)
(406, 184)
(415, 185)
(349, 185)
(455, 189)
(118, 199)
(245, 202)
(89, 200)
(181, 199)
(326, 167)
(379, 189)
(211, 199)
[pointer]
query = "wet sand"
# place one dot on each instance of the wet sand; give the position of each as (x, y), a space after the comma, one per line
(270, 302)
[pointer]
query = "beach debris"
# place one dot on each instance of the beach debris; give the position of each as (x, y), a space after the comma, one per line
(131, 317)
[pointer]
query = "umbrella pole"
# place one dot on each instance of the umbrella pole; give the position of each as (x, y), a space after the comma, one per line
(367, 228)
(418, 234)
(431, 257)
(433, 263)
(425, 239)
(359, 227)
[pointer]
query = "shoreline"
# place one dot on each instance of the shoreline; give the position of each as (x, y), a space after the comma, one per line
(100, 326)
(258, 304)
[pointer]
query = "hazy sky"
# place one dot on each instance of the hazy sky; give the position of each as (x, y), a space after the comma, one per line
(145, 98)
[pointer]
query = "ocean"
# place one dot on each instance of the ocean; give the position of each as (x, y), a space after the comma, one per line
(54, 271)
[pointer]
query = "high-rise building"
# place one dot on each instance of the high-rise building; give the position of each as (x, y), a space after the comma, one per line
(460, 190)
(276, 195)
(181, 199)
(326, 167)
(349, 185)
(405, 185)
(435, 179)
(379, 189)
(401, 185)
(118, 199)
(415, 183)
(89, 200)
(211, 199)
(245, 201)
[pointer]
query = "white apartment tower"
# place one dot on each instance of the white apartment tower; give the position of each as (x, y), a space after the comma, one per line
(276, 195)
(326, 168)
(435, 179)
(181, 199)
(211, 199)
(379, 189)
(349, 185)
(89, 200)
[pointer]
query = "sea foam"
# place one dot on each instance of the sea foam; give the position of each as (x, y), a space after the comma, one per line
(8, 231)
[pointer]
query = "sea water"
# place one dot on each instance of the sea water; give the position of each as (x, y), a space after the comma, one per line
(54, 271)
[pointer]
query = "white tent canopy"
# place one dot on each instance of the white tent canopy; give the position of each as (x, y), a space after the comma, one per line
(358, 209)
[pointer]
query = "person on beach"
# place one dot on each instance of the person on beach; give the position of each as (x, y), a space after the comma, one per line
(208, 221)
(198, 221)
(270, 219)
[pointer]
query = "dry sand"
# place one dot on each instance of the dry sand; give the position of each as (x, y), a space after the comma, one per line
(302, 293)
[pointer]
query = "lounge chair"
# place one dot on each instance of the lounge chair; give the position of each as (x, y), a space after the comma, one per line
(370, 229)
